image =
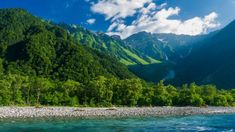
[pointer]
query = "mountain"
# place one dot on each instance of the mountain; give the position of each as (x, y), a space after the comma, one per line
(212, 62)
(164, 47)
(111, 45)
(42, 64)
(31, 46)
(169, 48)
(154, 72)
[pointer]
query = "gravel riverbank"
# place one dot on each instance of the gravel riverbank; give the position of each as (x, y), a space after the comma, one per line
(48, 112)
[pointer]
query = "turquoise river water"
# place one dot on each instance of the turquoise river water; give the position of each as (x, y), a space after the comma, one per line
(213, 123)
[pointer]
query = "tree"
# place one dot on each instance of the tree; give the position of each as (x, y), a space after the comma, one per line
(197, 100)
(1, 67)
(173, 94)
(190, 95)
(26, 89)
(220, 100)
(72, 92)
(17, 83)
(40, 87)
(228, 95)
(161, 95)
(128, 92)
(208, 94)
(147, 96)
(101, 91)
(5, 92)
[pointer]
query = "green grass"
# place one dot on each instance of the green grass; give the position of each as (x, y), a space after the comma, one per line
(137, 58)
(154, 61)
(126, 62)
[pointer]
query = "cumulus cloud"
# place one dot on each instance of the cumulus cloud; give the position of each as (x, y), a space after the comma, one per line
(150, 18)
(91, 21)
(116, 9)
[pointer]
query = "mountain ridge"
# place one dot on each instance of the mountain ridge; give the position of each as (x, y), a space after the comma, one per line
(31, 46)
(113, 46)
(215, 57)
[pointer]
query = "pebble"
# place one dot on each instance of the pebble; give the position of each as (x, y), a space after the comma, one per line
(32, 112)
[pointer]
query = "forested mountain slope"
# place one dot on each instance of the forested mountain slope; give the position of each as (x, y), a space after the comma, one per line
(109, 45)
(169, 48)
(164, 47)
(30, 46)
(212, 62)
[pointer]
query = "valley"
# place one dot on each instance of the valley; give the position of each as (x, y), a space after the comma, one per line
(44, 63)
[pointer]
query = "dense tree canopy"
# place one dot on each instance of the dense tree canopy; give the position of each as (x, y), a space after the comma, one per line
(103, 91)
(30, 46)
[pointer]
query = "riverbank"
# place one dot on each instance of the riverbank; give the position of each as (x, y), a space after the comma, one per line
(75, 112)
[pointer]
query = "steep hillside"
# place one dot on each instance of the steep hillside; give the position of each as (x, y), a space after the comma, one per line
(30, 46)
(169, 48)
(154, 72)
(110, 45)
(149, 45)
(212, 62)
(164, 47)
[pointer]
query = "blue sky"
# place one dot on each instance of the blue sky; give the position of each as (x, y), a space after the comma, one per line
(126, 17)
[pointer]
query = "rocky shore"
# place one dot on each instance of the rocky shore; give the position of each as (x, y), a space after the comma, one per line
(50, 112)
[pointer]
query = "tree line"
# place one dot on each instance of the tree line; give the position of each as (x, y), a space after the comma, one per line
(104, 92)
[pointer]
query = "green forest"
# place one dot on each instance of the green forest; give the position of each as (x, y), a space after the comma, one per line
(42, 64)
(104, 92)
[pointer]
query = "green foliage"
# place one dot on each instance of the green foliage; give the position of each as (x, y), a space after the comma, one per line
(102, 91)
(1, 67)
(41, 64)
(5, 93)
(162, 97)
(109, 45)
(32, 47)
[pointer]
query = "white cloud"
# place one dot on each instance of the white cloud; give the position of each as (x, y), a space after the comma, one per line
(162, 5)
(166, 13)
(150, 17)
(116, 9)
(149, 8)
(91, 21)
(160, 22)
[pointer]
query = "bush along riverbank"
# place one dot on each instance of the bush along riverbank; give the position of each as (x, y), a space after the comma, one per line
(101, 91)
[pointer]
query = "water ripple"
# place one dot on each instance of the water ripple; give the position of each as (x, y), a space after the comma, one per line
(225, 123)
